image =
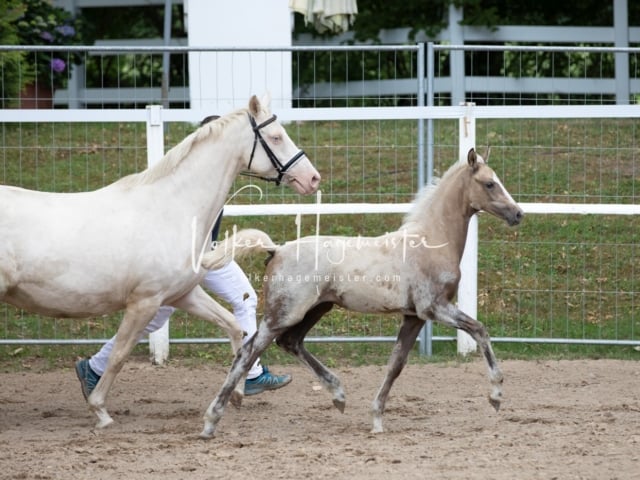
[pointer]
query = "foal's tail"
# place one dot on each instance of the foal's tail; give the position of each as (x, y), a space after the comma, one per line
(240, 244)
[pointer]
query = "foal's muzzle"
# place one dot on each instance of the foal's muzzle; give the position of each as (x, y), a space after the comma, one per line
(515, 218)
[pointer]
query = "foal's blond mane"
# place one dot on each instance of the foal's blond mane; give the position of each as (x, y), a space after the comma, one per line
(211, 131)
(424, 197)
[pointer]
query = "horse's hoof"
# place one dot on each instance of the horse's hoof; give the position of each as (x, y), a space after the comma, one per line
(339, 404)
(208, 430)
(377, 424)
(236, 399)
(495, 404)
(210, 423)
(104, 423)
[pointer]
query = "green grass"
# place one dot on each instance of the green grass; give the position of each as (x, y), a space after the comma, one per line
(553, 276)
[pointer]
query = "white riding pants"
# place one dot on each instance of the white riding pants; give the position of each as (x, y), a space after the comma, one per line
(229, 283)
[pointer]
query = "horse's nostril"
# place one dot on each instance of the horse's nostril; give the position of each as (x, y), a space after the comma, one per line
(518, 217)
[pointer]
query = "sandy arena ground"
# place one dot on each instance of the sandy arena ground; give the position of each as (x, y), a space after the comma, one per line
(560, 420)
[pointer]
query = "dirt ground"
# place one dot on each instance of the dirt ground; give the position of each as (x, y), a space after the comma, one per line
(560, 420)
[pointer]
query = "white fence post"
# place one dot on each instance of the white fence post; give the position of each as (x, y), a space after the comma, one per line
(158, 340)
(621, 40)
(456, 32)
(468, 287)
(221, 81)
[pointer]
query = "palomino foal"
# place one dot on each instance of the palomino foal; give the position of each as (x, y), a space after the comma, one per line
(413, 271)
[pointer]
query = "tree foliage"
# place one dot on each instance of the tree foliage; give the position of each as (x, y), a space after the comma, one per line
(430, 17)
(427, 17)
(109, 23)
(15, 72)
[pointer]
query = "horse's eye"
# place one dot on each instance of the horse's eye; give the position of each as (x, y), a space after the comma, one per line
(276, 139)
(490, 185)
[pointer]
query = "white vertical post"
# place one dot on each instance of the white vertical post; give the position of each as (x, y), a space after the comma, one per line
(221, 81)
(158, 340)
(456, 37)
(621, 39)
(468, 287)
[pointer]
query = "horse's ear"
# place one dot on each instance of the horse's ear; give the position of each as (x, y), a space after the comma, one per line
(254, 106)
(266, 101)
(257, 106)
(472, 159)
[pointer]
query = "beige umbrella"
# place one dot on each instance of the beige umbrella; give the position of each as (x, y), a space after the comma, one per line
(327, 15)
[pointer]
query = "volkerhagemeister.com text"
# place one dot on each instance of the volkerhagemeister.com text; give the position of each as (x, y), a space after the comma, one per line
(323, 278)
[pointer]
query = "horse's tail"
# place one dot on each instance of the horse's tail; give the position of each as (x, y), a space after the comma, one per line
(238, 245)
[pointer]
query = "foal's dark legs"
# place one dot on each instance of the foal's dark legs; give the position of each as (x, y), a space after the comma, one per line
(292, 340)
(406, 338)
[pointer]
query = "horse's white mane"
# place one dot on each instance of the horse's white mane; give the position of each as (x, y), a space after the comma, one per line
(424, 196)
(210, 130)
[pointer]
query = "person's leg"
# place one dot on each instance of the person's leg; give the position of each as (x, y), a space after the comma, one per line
(98, 362)
(89, 371)
(232, 285)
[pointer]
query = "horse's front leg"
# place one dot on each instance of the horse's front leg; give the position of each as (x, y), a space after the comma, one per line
(197, 302)
(247, 355)
(406, 338)
(479, 333)
(136, 317)
(291, 340)
(450, 315)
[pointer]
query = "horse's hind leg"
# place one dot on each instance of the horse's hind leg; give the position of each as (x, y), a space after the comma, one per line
(292, 340)
(246, 356)
(450, 315)
(406, 338)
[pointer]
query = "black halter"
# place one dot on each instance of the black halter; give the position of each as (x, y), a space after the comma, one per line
(280, 168)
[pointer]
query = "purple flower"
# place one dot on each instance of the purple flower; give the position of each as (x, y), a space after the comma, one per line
(66, 30)
(58, 65)
(46, 36)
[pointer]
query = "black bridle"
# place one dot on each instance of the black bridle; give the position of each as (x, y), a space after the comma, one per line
(280, 168)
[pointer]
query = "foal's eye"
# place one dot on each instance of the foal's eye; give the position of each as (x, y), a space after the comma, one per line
(490, 185)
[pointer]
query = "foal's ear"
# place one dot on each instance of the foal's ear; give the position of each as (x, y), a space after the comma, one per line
(473, 160)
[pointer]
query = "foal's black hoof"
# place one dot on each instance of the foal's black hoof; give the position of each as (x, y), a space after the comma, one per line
(495, 404)
(339, 404)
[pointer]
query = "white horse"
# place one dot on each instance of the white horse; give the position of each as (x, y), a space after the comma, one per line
(136, 244)
(413, 271)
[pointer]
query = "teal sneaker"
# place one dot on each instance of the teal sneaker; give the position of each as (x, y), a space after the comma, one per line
(266, 381)
(88, 378)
